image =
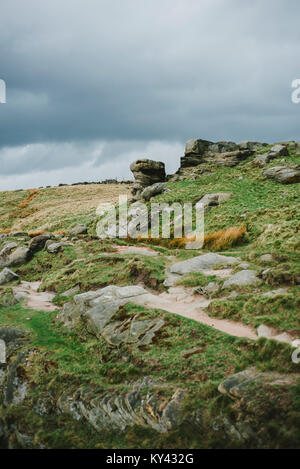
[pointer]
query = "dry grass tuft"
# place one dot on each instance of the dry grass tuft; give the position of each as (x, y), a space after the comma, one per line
(34, 233)
(225, 239)
(32, 194)
(216, 241)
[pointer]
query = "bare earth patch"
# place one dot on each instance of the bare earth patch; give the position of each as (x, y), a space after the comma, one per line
(40, 301)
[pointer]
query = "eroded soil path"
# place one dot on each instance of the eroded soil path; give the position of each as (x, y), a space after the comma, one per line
(33, 299)
(183, 302)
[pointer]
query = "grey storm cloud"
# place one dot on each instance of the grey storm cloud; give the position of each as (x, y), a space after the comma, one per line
(96, 80)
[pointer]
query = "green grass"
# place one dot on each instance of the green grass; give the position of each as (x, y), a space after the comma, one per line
(63, 361)
(281, 312)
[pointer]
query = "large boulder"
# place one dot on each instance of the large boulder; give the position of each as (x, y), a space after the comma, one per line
(98, 308)
(146, 173)
(38, 242)
(18, 256)
(7, 275)
(204, 262)
(284, 174)
(242, 278)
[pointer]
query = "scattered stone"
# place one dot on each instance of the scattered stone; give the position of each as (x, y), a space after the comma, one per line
(244, 266)
(78, 230)
(264, 331)
(209, 289)
(71, 291)
(265, 273)
(189, 353)
(262, 160)
(210, 200)
(296, 343)
(244, 277)
(7, 275)
(279, 150)
(53, 247)
(266, 258)
(8, 248)
(274, 293)
(284, 174)
(199, 263)
(38, 242)
(233, 294)
(285, 338)
(152, 191)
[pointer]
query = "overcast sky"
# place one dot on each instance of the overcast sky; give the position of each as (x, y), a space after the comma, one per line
(94, 84)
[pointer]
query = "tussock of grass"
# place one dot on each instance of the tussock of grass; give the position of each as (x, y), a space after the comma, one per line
(32, 194)
(225, 239)
(34, 233)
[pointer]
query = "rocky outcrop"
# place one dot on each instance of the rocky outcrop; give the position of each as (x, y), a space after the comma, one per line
(119, 410)
(146, 173)
(98, 309)
(284, 174)
(198, 151)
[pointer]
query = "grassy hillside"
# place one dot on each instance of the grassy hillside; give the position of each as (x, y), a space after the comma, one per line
(62, 361)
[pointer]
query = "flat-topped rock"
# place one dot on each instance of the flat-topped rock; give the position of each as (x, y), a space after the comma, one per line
(284, 174)
(199, 263)
(242, 278)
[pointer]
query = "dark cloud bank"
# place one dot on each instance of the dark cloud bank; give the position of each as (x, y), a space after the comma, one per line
(93, 84)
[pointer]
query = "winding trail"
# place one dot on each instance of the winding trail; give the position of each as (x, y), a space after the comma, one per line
(183, 302)
(39, 301)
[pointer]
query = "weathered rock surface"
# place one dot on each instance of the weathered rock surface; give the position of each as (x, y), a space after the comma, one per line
(244, 277)
(7, 275)
(78, 230)
(152, 191)
(242, 383)
(208, 290)
(210, 200)
(38, 242)
(199, 263)
(284, 174)
(139, 405)
(264, 331)
(54, 247)
(14, 256)
(99, 308)
(146, 173)
(198, 151)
